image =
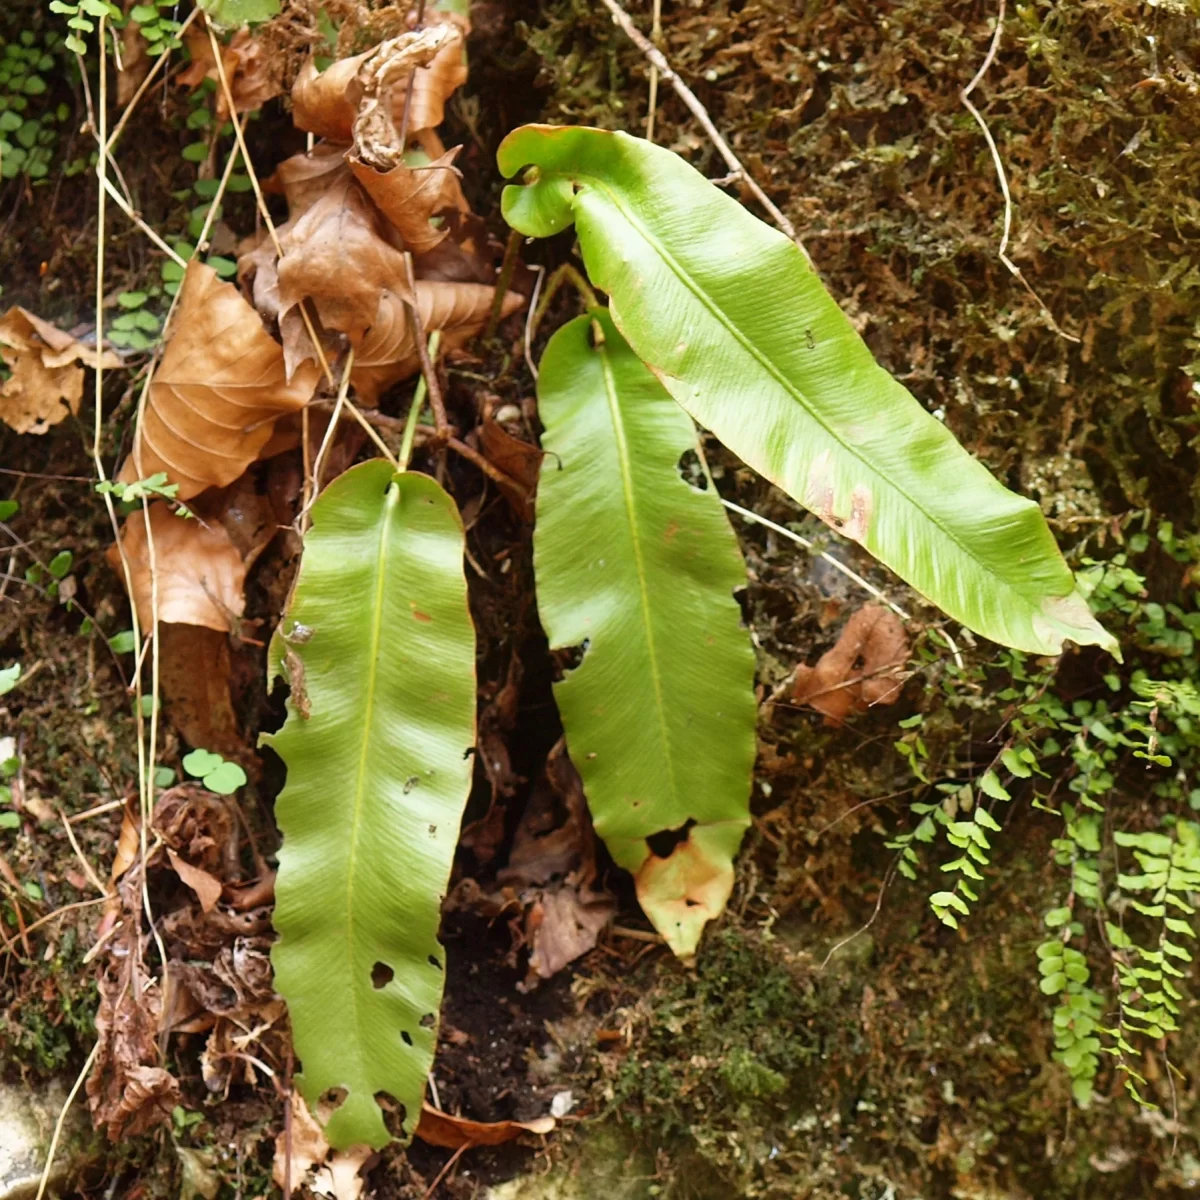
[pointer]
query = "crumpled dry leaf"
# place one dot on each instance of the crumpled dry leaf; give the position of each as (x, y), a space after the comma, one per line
(200, 572)
(337, 255)
(337, 1175)
(437, 1128)
(306, 1142)
(250, 68)
(207, 887)
(388, 352)
(215, 397)
(326, 103)
(563, 924)
(864, 668)
(128, 1093)
(200, 825)
(376, 136)
(46, 383)
(520, 461)
(128, 842)
(410, 196)
(553, 864)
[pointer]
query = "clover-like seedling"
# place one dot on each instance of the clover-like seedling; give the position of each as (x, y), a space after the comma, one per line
(214, 772)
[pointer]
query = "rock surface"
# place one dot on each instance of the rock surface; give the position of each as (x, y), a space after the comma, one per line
(27, 1118)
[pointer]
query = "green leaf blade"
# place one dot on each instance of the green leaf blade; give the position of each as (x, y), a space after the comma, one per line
(378, 775)
(738, 327)
(638, 568)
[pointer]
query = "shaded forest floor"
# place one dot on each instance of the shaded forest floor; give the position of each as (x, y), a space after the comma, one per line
(833, 1038)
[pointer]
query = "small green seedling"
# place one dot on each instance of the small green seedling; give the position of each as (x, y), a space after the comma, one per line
(215, 772)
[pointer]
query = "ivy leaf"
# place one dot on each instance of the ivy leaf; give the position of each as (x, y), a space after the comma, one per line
(730, 316)
(638, 569)
(381, 719)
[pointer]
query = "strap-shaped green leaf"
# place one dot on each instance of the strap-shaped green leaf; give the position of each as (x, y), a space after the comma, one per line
(380, 650)
(636, 569)
(729, 315)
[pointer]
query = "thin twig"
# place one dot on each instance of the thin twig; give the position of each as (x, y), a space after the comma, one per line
(838, 565)
(887, 878)
(564, 273)
(433, 1187)
(436, 402)
(533, 299)
(88, 869)
(62, 1115)
(128, 210)
(412, 83)
(698, 110)
(488, 468)
(503, 279)
(95, 812)
(327, 440)
(652, 101)
(1001, 175)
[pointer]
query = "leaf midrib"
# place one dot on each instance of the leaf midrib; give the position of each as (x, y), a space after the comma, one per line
(366, 715)
(750, 348)
(627, 490)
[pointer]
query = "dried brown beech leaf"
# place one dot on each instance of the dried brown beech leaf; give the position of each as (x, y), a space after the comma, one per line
(194, 678)
(441, 1129)
(249, 66)
(200, 572)
(336, 255)
(207, 887)
(864, 668)
(46, 381)
(410, 196)
(519, 461)
(388, 352)
(305, 178)
(327, 103)
(215, 397)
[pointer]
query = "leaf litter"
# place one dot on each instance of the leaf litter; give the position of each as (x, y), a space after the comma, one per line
(46, 381)
(378, 233)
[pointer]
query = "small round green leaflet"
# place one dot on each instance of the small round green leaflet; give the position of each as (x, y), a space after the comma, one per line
(213, 771)
(379, 649)
(637, 569)
(740, 330)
